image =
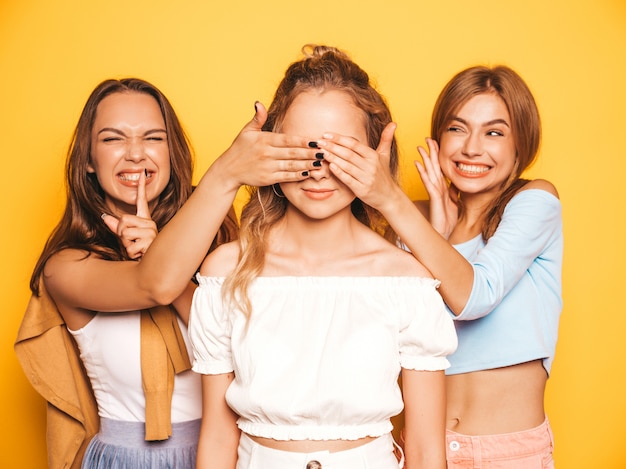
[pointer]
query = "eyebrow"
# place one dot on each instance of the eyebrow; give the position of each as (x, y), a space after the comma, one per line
(486, 124)
(119, 132)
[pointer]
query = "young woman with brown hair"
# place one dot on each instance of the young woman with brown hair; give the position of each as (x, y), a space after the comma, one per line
(495, 242)
(129, 171)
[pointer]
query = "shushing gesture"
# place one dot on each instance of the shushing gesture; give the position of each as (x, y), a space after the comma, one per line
(137, 232)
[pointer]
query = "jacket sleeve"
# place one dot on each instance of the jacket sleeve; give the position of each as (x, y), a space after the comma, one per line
(50, 359)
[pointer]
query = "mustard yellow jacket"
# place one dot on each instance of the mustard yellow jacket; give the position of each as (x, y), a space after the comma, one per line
(51, 361)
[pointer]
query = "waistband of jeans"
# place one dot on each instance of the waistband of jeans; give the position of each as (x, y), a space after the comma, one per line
(529, 441)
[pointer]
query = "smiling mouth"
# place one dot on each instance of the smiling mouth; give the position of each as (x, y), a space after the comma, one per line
(134, 177)
(473, 169)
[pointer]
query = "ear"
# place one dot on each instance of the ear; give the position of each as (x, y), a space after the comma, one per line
(90, 168)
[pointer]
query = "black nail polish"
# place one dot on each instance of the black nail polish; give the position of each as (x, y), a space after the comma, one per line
(305, 173)
(319, 156)
(313, 145)
(317, 163)
(145, 170)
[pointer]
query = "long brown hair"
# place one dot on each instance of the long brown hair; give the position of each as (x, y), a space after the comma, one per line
(525, 124)
(81, 226)
(322, 68)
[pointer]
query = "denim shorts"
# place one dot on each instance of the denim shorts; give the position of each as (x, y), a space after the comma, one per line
(528, 449)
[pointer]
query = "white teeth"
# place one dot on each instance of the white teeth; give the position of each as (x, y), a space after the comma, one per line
(468, 168)
(132, 177)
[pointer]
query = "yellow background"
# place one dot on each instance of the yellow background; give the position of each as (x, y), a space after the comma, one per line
(214, 59)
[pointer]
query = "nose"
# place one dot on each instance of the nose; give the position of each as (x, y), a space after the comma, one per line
(135, 151)
(320, 173)
(473, 146)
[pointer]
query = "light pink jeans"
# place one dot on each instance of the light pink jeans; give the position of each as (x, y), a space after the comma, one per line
(529, 449)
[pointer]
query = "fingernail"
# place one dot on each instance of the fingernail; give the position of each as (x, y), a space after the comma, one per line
(305, 173)
(145, 171)
(317, 163)
(319, 156)
(313, 145)
(256, 109)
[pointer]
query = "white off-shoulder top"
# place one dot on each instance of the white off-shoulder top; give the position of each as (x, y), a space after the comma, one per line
(321, 356)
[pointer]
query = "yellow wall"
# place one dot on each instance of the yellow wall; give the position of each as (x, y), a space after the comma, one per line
(214, 59)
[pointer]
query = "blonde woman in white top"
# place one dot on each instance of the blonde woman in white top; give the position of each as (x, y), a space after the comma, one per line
(302, 327)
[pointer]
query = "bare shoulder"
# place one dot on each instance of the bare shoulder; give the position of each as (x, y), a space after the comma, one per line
(543, 185)
(67, 256)
(221, 261)
(69, 264)
(395, 262)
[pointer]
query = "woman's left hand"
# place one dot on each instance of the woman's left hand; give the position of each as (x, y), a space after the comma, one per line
(363, 170)
(444, 206)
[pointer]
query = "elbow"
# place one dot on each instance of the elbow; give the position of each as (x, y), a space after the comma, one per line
(164, 292)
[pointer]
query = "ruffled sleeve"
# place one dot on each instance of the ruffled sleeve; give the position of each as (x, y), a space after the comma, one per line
(210, 329)
(427, 334)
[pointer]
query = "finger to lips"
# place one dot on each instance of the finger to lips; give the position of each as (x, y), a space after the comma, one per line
(143, 210)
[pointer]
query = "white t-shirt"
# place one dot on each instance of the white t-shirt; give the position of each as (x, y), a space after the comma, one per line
(321, 355)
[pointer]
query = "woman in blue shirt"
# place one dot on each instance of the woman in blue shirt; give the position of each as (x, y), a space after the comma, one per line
(495, 242)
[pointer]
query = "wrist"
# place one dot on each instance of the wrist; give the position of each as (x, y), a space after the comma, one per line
(393, 202)
(220, 177)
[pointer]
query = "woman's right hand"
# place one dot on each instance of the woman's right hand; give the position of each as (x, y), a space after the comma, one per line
(135, 231)
(444, 206)
(258, 158)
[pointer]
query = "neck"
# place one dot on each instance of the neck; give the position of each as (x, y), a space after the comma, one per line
(470, 223)
(313, 240)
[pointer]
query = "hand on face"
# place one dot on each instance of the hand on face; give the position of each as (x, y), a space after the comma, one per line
(258, 158)
(137, 232)
(363, 170)
(444, 208)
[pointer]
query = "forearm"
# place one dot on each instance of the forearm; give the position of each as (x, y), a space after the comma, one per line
(219, 434)
(431, 249)
(219, 451)
(425, 411)
(180, 247)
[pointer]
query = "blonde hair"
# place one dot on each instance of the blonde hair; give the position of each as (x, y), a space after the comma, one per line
(323, 68)
(525, 124)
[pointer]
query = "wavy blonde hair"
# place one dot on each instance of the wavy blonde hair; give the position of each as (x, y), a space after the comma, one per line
(323, 68)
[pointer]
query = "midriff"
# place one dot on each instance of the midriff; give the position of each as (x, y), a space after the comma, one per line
(502, 400)
(310, 446)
